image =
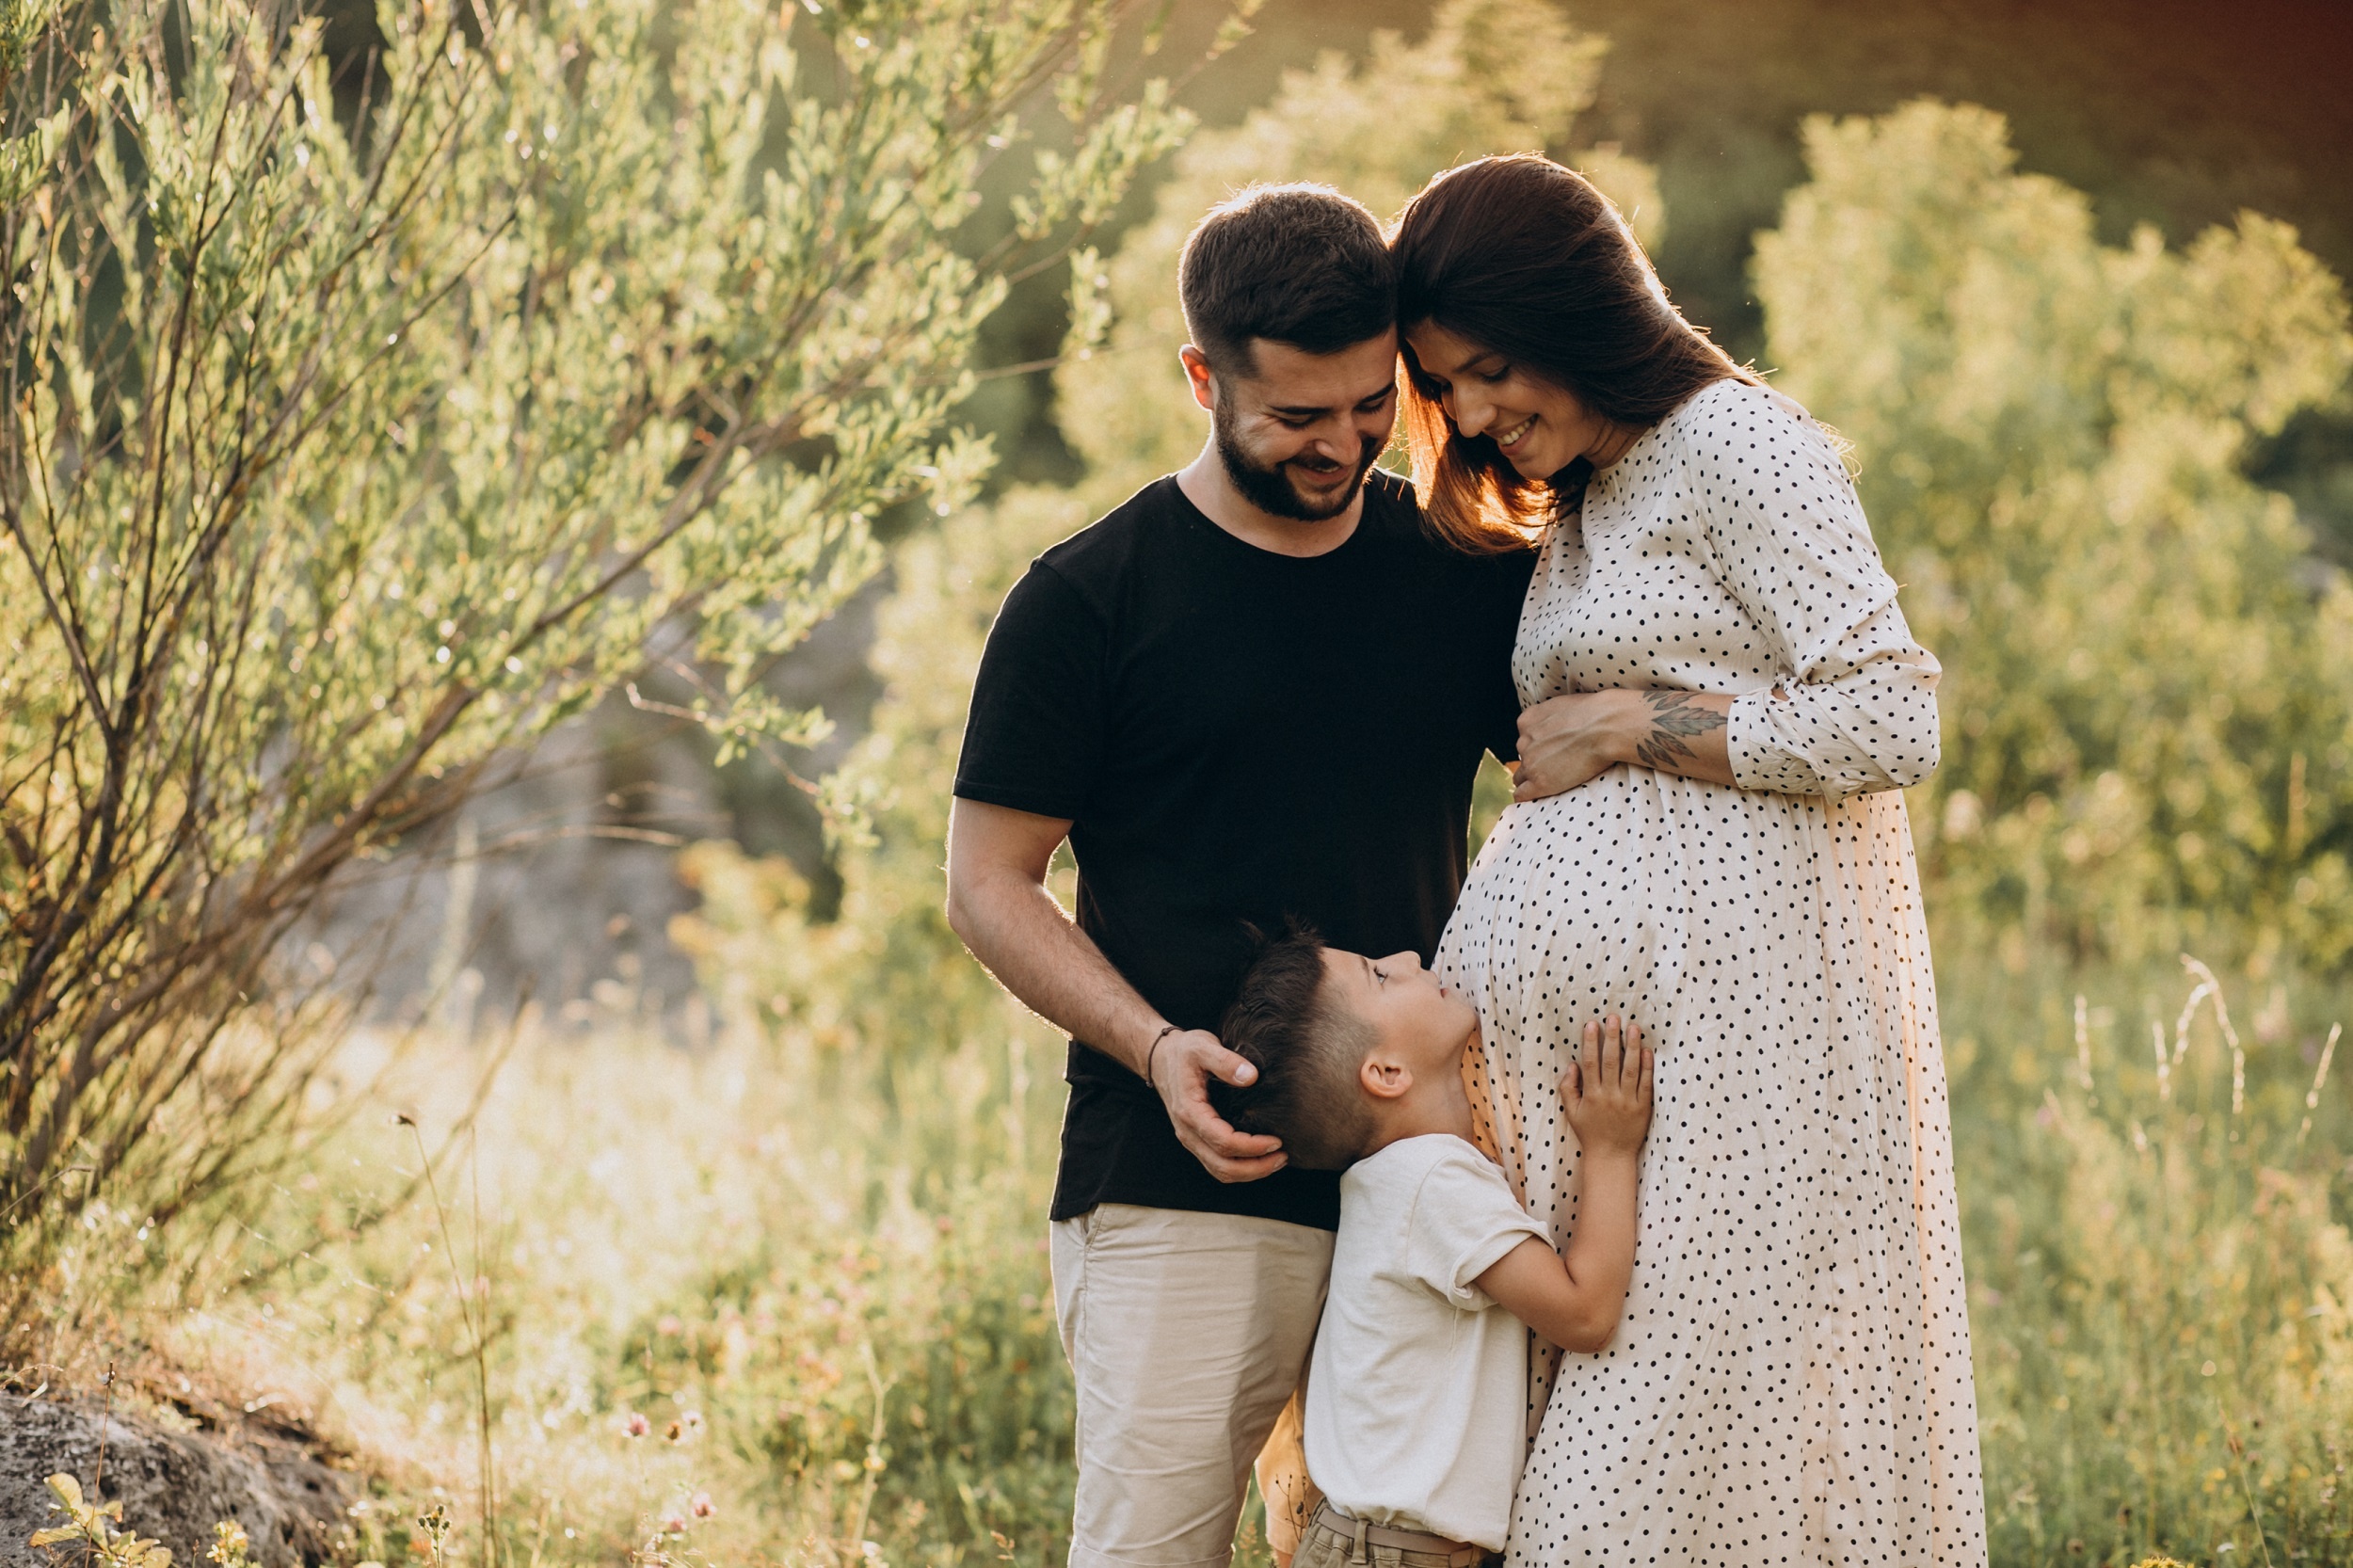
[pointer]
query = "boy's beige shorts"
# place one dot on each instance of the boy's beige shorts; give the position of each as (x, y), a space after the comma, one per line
(1187, 1337)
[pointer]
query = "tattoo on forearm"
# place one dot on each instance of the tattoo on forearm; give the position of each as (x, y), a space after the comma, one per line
(1674, 715)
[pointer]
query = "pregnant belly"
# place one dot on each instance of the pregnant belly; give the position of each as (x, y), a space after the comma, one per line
(1623, 896)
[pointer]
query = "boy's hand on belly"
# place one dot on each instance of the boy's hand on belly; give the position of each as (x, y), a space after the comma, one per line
(1575, 1298)
(1607, 1091)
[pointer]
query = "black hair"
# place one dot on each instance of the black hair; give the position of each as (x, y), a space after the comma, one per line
(1308, 1051)
(1297, 263)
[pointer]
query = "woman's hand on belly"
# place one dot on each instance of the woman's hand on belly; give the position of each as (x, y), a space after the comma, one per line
(1566, 741)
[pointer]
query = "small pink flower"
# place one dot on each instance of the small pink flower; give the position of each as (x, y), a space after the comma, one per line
(702, 1507)
(636, 1424)
(673, 1523)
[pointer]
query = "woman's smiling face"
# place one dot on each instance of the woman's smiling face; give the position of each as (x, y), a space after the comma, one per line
(1540, 429)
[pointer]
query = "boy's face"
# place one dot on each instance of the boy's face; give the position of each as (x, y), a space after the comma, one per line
(1418, 1023)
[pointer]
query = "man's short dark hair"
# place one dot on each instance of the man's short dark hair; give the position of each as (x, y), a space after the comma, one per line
(1298, 263)
(1308, 1051)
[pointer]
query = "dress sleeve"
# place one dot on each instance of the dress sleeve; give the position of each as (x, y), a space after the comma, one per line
(1855, 708)
(1462, 1221)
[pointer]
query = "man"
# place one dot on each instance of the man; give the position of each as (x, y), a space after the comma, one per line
(1256, 691)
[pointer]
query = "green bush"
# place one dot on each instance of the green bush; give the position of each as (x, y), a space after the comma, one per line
(2148, 704)
(340, 463)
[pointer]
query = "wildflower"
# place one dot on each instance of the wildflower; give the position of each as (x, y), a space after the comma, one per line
(673, 1522)
(436, 1527)
(702, 1507)
(229, 1545)
(636, 1424)
(674, 1432)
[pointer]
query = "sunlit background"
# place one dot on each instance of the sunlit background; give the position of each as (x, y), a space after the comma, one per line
(2173, 115)
(712, 1227)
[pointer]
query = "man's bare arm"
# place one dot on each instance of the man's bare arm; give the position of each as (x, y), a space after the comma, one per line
(999, 903)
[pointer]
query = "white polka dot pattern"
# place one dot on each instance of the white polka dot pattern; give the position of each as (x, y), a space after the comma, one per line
(1791, 1382)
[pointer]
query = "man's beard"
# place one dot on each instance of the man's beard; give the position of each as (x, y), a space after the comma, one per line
(1271, 489)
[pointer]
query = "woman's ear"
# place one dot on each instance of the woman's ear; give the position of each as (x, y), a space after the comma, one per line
(1382, 1078)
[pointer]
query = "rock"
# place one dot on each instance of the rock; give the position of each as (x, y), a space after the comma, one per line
(174, 1486)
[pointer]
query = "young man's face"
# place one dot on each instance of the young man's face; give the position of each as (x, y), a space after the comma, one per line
(1298, 433)
(1417, 1021)
(1540, 429)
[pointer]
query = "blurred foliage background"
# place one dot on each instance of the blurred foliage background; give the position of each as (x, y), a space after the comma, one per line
(2173, 115)
(2071, 280)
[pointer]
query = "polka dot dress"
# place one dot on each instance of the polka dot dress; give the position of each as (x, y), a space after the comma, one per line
(1791, 1382)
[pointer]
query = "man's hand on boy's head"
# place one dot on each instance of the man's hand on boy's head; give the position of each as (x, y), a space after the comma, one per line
(1181, 1068)
(1607, 1091)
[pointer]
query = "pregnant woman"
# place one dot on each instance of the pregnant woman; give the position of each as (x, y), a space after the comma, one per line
(1722, 701)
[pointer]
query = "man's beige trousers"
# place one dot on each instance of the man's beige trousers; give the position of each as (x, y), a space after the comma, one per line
(1188, 1334)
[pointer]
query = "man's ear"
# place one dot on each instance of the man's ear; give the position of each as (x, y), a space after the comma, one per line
(1198, 374)
(1382, 1078)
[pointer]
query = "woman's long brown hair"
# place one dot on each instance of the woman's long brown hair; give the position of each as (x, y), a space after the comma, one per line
(1519, 255)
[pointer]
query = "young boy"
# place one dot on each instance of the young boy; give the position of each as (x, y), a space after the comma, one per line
(1418, 1390)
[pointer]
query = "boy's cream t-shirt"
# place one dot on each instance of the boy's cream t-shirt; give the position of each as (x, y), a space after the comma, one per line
(1417, 1395)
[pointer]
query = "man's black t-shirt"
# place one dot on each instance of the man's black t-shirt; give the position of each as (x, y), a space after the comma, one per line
(1238, 737)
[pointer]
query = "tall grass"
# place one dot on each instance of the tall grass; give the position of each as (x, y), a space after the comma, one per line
(2158, 1269)
(780, 1300)
(762, 1302)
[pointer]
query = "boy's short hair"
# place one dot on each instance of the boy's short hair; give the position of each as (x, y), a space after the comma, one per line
(1308, 1051)
(1296, 263)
